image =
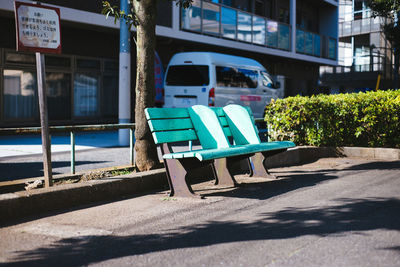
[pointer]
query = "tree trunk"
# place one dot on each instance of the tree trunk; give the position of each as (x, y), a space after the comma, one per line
(146, 152)
(396, 68)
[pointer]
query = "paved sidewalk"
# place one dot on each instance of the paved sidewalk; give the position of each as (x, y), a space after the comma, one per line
(23, 145)
(21, 156)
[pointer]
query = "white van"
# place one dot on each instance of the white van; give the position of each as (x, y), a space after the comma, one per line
(215, 79)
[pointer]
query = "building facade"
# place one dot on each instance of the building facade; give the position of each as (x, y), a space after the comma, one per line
(291, 38)
(365, 56)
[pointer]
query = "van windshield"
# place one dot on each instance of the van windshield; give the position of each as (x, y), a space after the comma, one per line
(188, 75)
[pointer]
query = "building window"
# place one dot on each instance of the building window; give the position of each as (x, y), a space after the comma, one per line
(259, 8)
(110, 96)
(58, 87)
(284, 15)
(20, 97)
(86, 95)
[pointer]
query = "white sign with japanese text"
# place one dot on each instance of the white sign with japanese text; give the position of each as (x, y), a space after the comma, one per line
(38, 28)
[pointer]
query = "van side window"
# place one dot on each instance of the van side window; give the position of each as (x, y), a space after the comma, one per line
(188, 75)
(236, 77)
(266, 79)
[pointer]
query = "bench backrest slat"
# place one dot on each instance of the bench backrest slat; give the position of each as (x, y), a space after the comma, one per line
(169, 125)
(166, 113)
(241, 124)
(174, 136)
(222, 119)
(208, 127)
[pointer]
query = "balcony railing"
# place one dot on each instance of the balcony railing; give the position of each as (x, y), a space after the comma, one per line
(225, 22)
(361, 26)
(308, 43)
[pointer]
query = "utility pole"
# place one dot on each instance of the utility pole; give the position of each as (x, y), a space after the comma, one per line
(124, 88)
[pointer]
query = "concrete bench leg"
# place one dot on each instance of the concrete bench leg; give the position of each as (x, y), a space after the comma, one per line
(177, 179)
(259, 161)
(223, 167)
(177, 175)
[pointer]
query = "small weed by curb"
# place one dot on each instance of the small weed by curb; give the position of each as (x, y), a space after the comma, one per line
(117, 172)
(169, 199)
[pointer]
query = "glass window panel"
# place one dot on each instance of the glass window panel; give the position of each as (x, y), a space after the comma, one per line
(111, 65)
(317, 45)
(58, 61)
(300, 41)
(228, 22)
(284, 37)
(258, 30)
(86, 94)
(244, 27)
(308, 43)
(188, 75)
(88, 64)
(14, 57)
(356, 26)
(211, 18)
(20, 97)
(58, 95)
(272, 33)
(191, 17)
(110, 96)
(226, 2)
(366, 25)
(347, 28)
(332, 49)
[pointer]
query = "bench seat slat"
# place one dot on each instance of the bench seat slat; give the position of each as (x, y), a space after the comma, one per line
(166, 113)
(209, 154)
(174, 136)
(172, 124)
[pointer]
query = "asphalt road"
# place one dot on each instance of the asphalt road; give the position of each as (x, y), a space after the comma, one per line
(333, 212)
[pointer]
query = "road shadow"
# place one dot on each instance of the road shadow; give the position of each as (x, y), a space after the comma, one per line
(290, 180)
(346, 215)
(19, 170)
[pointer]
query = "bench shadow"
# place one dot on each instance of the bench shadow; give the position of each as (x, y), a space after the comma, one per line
(292, 180)
(349, 215)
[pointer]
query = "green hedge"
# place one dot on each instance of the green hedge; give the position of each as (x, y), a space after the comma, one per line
(361, 119)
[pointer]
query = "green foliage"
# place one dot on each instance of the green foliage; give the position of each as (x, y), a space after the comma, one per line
(359, 119)
(388, 9)
(131, 18)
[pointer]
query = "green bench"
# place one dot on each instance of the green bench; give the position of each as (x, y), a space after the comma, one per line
(212, 128)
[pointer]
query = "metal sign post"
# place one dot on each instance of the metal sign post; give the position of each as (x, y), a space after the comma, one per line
(46, 142)
(38, 30)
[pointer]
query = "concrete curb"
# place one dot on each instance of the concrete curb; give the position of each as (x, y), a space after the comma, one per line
(23, 204)
(38, 201)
